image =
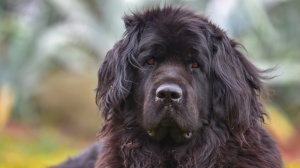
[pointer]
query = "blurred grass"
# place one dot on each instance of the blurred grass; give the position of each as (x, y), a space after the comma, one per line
(22, 147)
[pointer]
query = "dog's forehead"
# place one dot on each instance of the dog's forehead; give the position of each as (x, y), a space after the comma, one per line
(172, 33)
(164, 47)
(166, 41)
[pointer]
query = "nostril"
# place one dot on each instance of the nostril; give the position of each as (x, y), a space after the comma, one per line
(161, 95)
(175, 95)
(169, 92)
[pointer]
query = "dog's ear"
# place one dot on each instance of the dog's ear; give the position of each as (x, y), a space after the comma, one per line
(116, 73)
(236, 86)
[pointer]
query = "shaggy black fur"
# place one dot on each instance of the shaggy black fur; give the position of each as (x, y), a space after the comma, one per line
(216, 122)
(176, 92)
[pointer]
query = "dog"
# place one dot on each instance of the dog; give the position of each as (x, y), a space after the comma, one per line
(176, 91)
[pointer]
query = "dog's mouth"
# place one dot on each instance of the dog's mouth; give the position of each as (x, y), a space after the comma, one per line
(168, 130)
(170, 134)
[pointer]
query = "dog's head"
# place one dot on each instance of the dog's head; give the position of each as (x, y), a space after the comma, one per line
(174, 71)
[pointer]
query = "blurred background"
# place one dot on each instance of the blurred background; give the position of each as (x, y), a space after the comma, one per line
(50, 51)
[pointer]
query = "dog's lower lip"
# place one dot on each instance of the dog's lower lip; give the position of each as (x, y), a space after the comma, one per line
(166, 123)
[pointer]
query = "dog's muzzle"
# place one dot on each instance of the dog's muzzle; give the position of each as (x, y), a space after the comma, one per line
(168, 96)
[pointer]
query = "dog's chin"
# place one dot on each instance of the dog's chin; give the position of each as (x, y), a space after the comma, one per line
(169, 127)
(170, 132)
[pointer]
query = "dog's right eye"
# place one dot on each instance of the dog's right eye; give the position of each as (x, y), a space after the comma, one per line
(195, 65)
(150, 61)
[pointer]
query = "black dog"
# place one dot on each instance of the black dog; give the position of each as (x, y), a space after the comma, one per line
(176, 92)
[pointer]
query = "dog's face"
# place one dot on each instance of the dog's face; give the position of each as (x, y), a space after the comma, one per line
(174, 72)
(170, 87)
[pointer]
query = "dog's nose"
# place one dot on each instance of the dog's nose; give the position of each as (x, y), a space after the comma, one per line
(169, 93)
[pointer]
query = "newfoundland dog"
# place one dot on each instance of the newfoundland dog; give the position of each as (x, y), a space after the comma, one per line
(175, 91)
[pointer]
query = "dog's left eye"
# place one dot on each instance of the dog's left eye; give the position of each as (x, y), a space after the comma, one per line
(150, 61)
(195, 65)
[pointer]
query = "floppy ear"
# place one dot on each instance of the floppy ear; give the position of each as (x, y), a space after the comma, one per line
(236, 86)
(115, 74)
